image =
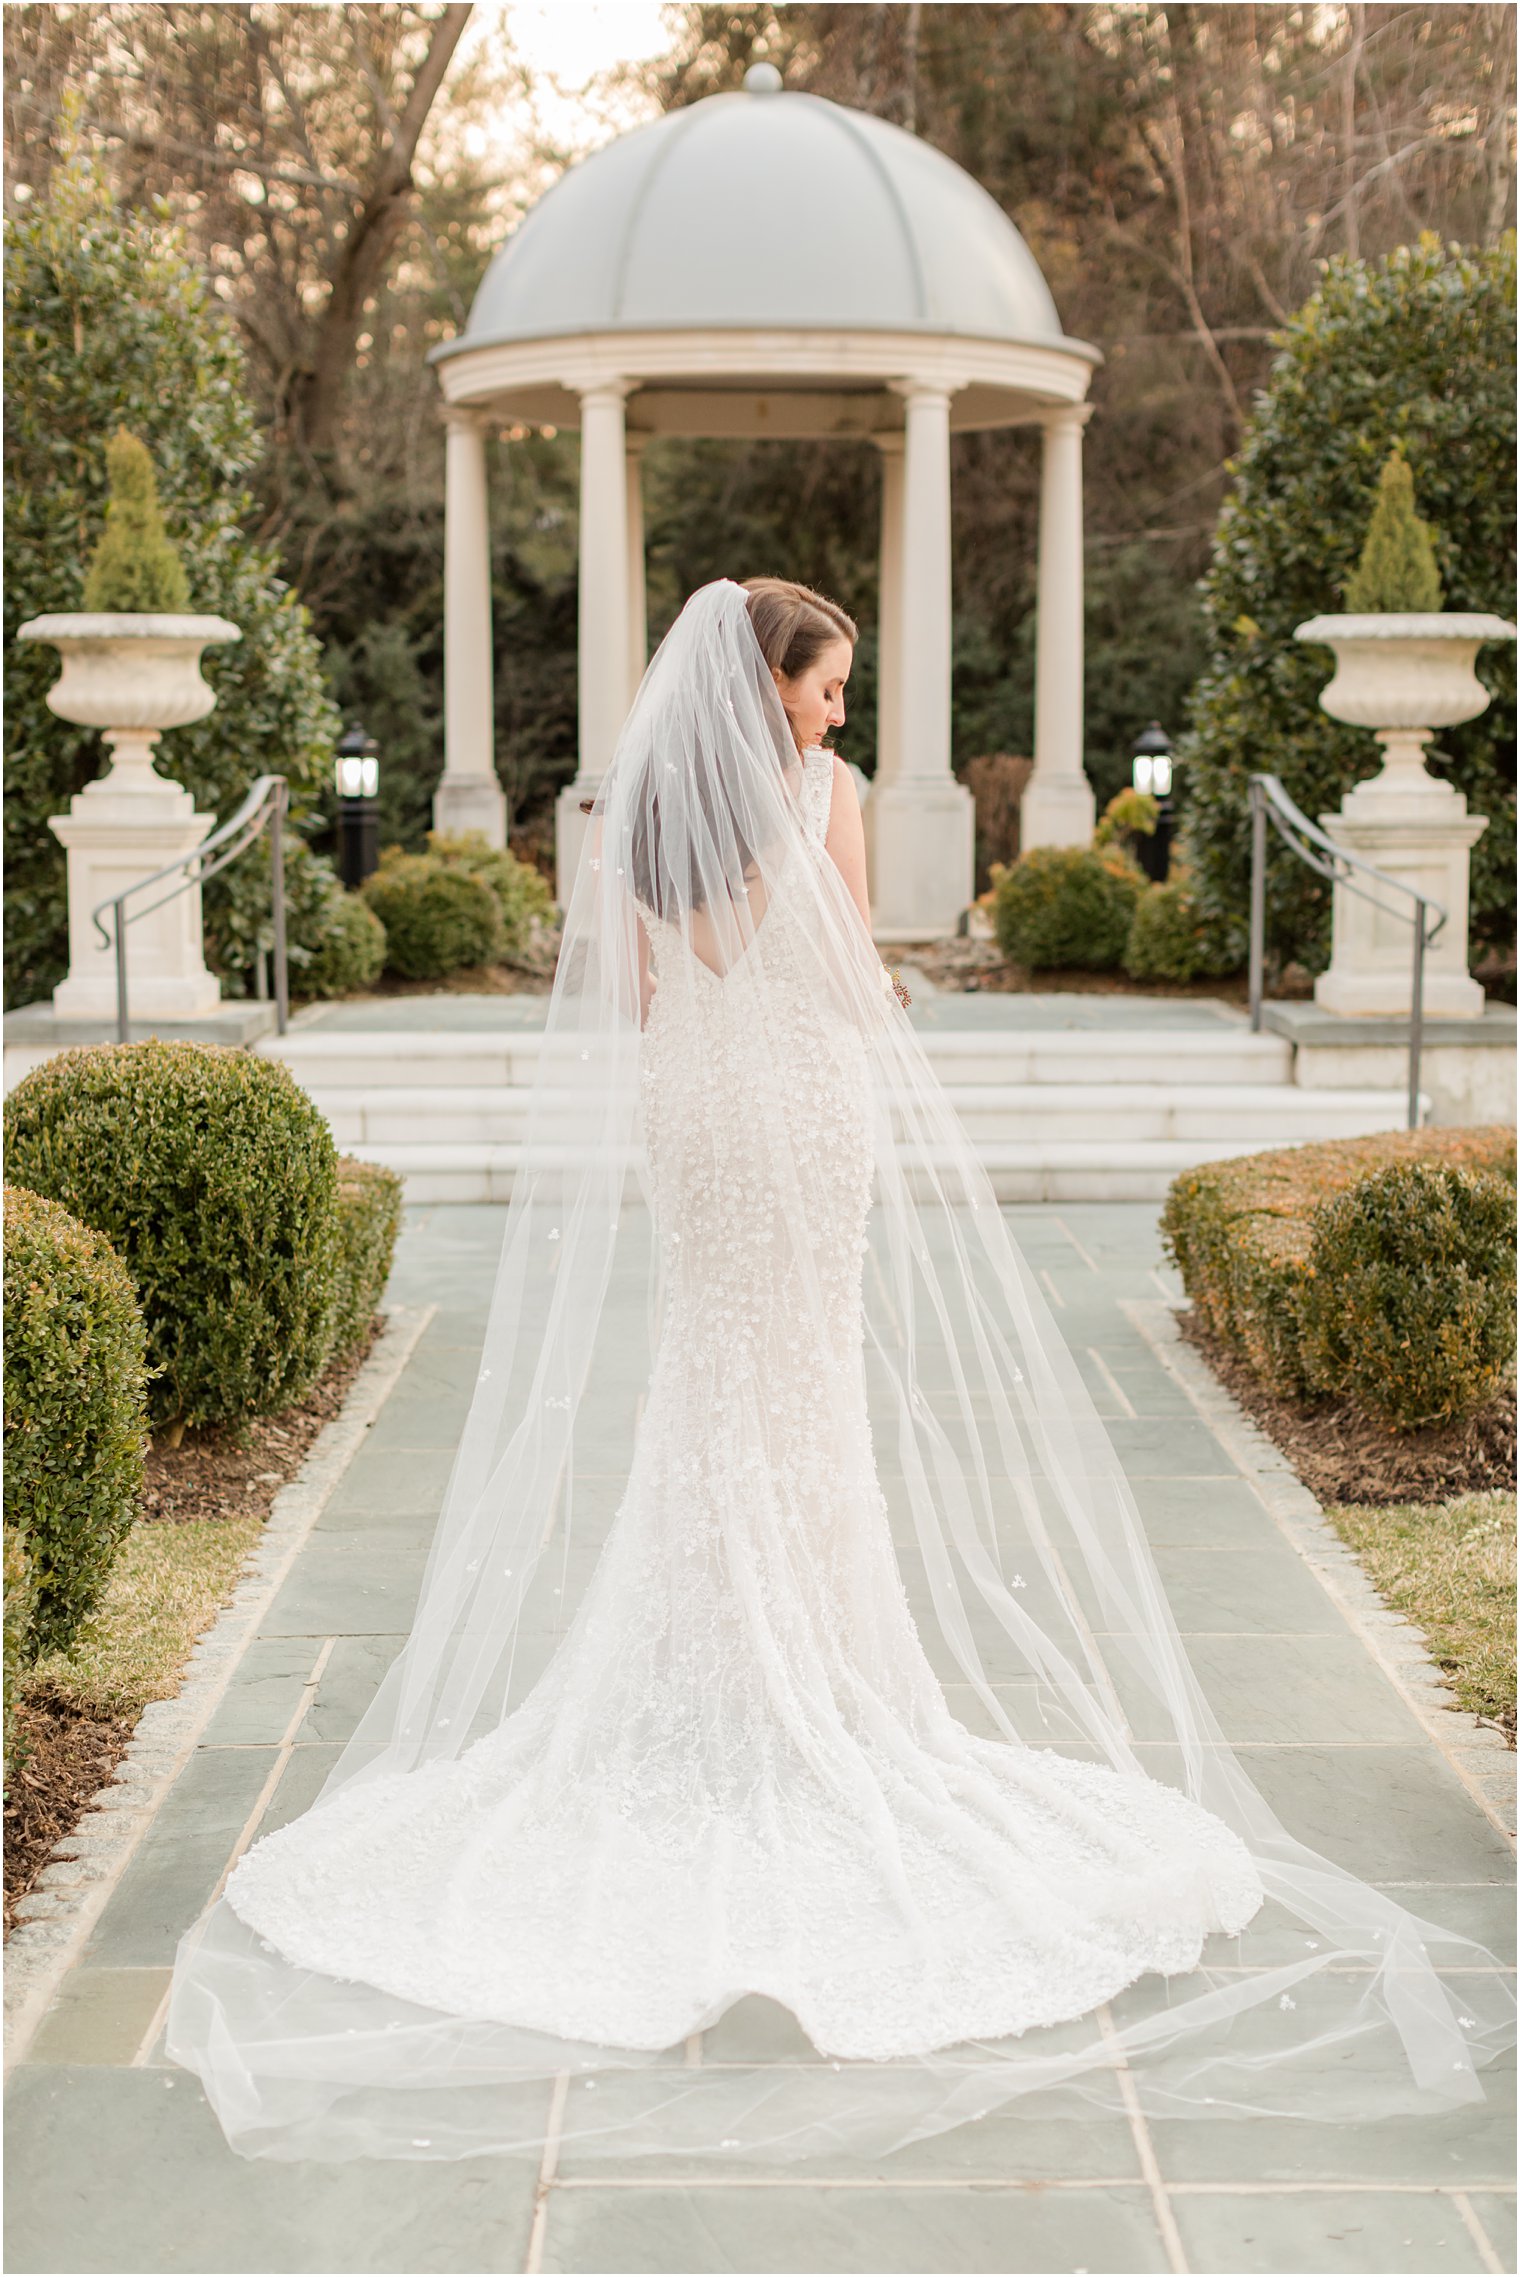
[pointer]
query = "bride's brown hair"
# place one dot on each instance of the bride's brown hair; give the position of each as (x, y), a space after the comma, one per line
(793, 624)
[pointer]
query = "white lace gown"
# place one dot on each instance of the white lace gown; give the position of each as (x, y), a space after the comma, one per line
(739, 1773)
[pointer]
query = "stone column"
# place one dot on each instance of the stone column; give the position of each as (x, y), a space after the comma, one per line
(921, 820)
(889, 615)
(469, 796)
(638, 604)
(1058, 807)
(604, 611)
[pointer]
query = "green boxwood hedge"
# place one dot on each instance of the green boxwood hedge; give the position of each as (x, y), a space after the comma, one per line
(1068, 906)
(522, 893)
(1409, 1296)
(1241, 1231)
(347, 953)
(215, 1177)
(437, 915)
(369, 1219)
(75, 1421)
(1170, 938)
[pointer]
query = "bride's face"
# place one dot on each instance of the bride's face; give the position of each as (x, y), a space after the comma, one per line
(814, 701)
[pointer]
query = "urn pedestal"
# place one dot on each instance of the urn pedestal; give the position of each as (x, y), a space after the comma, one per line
(132, 676)
(1403, 676)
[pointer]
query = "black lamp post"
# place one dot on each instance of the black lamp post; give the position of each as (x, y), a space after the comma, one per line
(1152, 771)
(356, 770)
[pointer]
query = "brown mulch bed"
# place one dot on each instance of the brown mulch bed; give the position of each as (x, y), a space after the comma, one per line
(223, 1472)
(71, 1755)
(236, 1470)
(1343, 1456)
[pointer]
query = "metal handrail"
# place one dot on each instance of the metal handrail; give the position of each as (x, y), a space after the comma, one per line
(264, 807)
(1311, 844)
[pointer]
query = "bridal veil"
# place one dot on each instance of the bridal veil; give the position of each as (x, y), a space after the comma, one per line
(1050, 1626)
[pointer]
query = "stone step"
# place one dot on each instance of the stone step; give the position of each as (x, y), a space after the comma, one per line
(1118, 1114)
(1066, 1170)
(329, 1060)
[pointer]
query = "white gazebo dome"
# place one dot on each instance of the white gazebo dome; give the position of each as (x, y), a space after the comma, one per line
(772, 265)
(765, 209)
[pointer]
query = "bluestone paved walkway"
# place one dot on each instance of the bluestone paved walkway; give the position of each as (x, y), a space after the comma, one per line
(117, 2164)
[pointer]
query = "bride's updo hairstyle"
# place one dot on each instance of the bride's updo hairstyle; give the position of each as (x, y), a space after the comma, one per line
(676, 862)
(793, 624)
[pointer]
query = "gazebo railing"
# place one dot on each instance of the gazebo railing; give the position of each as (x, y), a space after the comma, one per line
(263, 809)
(1270, 802)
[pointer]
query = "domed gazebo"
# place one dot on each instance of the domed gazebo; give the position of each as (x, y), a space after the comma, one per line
(771, 264)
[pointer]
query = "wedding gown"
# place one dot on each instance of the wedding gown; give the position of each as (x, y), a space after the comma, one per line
(739, 1773)
(609, 1788)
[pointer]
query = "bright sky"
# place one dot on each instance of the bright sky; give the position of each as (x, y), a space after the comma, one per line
(569, 47)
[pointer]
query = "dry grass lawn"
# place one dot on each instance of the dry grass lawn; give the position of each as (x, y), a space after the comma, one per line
(1451, 1567)
(168, 1584)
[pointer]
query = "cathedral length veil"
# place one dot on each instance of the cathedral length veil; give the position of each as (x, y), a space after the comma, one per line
(1007, 1501)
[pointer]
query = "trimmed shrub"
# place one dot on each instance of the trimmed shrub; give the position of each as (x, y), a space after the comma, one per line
(1170, 938)
(436, 915)
(348, 954)
(369, 1219)
(216, 1179)
(1240, 1231)
(334, 940)
(1409, 1302)
(522, 892)
(75, 1421)
(1066, 905)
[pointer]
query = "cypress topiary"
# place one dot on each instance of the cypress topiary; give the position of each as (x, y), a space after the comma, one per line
(134, 565)
(1397, 569)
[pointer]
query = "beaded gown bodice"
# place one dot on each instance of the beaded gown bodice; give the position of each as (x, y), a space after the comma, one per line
(738, 1771)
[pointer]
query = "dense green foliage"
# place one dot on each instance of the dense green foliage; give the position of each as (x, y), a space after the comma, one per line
(522, 892)
(1169, 935)
(110, 321)
(215, 1178)
(134, 566)
(347, 954)
(437, 915)
(1397, 566)
(1416, 350)
(1241, 1231)
(1409, 1299)
(75, 1421)
(1066, 906)
(369, 1221)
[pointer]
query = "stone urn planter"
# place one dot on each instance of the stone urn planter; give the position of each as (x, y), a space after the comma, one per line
(1403, 675)
(132, 676)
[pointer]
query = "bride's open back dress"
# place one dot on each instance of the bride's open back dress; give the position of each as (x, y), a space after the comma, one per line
(739, 1772)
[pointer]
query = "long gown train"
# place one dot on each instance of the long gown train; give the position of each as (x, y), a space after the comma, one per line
(739, 1772)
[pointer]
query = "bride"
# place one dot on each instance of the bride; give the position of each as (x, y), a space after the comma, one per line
(666, 1733)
